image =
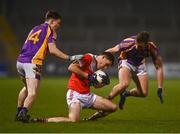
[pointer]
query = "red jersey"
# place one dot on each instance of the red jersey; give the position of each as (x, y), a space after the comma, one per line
(79, 84)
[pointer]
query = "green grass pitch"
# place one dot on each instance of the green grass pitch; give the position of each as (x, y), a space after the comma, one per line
(139, 115)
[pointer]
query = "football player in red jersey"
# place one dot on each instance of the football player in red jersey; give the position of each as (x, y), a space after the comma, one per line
(78, 94)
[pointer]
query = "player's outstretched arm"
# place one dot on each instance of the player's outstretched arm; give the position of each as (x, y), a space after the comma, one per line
(113, 50)
(58, 53)
(160, 77)
(55, 51)
(157, 60)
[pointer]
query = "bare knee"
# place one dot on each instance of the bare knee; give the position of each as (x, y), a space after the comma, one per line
(74, 119)
(124, 84)
(23, 91)
(113, 108)
(32, 94)
(121, 86)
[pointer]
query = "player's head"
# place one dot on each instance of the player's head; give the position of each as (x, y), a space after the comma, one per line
(142, 38)
(104, 60)
(53, 18)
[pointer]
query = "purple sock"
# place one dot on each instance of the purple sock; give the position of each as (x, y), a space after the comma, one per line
(24, 110)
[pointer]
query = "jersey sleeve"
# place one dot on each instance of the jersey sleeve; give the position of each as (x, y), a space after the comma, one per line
(126, 43)
(86, 60)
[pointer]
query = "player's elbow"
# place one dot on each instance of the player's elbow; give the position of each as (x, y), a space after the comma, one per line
(52, 51)
(70, 68)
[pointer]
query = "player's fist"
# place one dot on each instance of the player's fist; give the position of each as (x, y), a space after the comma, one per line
(92, 79)
(75, 57)
(159, 94)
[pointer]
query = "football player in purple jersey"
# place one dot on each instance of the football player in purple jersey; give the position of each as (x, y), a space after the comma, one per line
(133, 52)
(41, 39)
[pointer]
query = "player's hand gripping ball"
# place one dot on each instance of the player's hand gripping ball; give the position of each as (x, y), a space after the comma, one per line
(102, 79)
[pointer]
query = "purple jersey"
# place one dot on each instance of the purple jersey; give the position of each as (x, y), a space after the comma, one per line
(36, 44)
(128, 50)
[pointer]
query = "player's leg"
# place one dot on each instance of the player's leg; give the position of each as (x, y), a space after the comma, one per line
(104, 107)
(124, 81)
(33, 73)
(142, 86)
(32, 88)
(74, 105)
(141, 81)
(141, 89)
(104, 104)
(74, 114)
(22, 96)
(23, 92)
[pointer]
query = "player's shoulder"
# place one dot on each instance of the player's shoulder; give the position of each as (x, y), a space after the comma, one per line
(152, 45)
(42, 27)
(48, 30)
(87, 59)
(88, 56)
(127, 42)
(129, 39)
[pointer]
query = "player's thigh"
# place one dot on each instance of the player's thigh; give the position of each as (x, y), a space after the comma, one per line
(103, 104)
(74, 111)
(21, 72)
(24, 81)
(32, 85)
(142, 83)
(124, 75)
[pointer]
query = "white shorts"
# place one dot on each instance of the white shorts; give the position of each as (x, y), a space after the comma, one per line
(29, 70)
(136, 70)
(86, 100)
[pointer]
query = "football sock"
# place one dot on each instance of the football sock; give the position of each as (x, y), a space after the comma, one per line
(18, 110)
(25, 110)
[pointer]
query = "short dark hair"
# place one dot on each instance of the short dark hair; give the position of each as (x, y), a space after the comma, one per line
(143, 37)
(51, 14)
(109, 56)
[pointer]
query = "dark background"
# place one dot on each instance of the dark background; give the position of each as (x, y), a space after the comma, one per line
(89, 26)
